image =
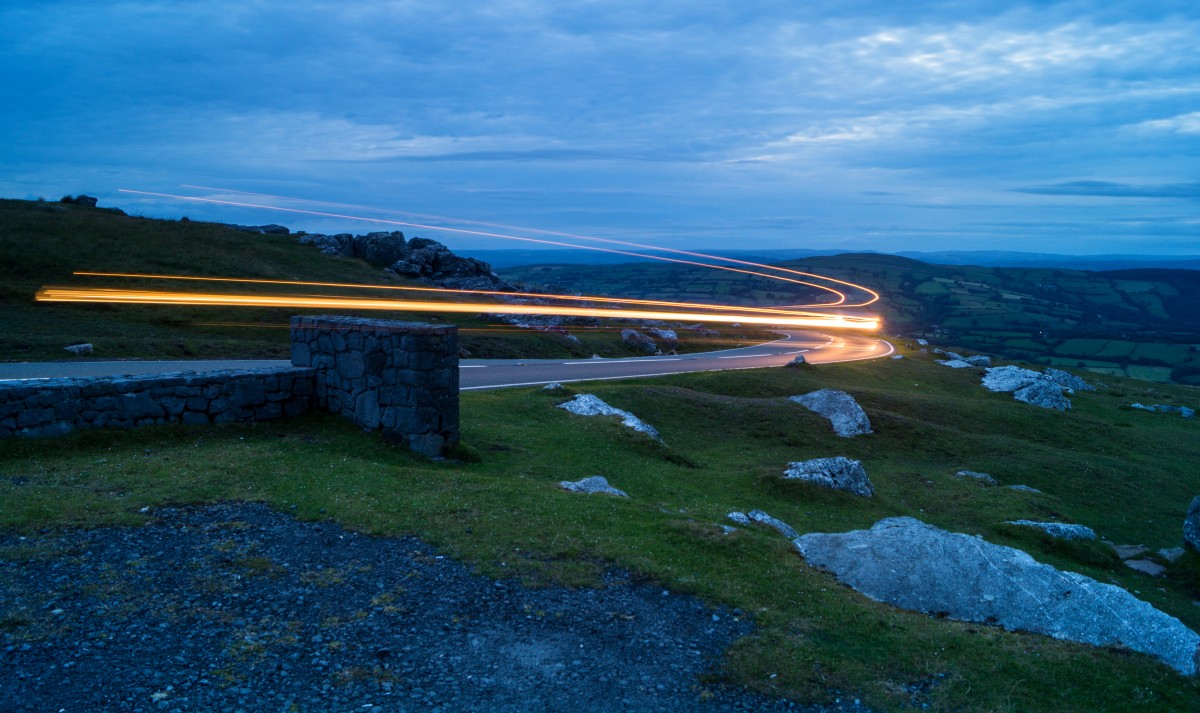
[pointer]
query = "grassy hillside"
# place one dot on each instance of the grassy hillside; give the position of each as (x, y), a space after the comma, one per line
(43, 243)
(1139, 323)
(1128, 474)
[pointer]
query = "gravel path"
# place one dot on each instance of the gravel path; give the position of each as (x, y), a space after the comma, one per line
(235, 607)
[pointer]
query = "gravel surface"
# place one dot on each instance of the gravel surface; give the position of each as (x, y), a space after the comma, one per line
(236, 607)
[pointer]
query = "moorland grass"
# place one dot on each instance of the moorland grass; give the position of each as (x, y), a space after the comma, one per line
(1129, 475)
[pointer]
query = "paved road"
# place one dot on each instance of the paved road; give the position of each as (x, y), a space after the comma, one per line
(498, 373)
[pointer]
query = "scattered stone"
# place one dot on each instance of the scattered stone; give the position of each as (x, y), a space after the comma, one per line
(728, 529)
(798, 361)
(1024, 489)
(898, 356)
(1171, 554)
(670, 339)
(1068, 381)
(591, 405)
(1160, 408)
(553, 386)
(838, 473)
(594, 484)
(779, 525)
(636, 339)
(982, 477)
(1191, 525)
(910, 564)
(979, 360)
(847, 417)
(80, 349)
(1149, 567)
(1127, 551)
(1060, 530)
(923, 342)
(739, 517)
(1043, 393)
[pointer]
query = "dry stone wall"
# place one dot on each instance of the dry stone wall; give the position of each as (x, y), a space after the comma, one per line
(52, 407)
(400, 378)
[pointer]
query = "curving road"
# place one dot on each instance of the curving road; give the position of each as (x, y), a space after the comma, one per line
(499, 373)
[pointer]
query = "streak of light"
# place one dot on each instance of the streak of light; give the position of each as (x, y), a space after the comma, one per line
(108, 295)
(444, 290)
(874, 295)
(841, 297)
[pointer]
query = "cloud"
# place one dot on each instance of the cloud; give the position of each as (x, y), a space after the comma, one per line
(1182, 124)
(1107, 189)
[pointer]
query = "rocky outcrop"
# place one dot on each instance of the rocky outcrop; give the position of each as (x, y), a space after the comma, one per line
(1061, 530)
(844, 413)
(739, 517)
(838, 473)
(958, 361)
(1191, 525)
(1027, 386)
(668, 337)
(639, 341)
(907, 563)
(418, 258)
(591, 405)
(594, 484)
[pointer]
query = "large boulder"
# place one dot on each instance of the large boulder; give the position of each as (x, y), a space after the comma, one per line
(1008, 378)
(838, 473)
(1191, 525)
(910, 564)
(840, 408)
(592, 405)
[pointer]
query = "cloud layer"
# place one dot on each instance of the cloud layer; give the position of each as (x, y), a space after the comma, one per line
(833, 124)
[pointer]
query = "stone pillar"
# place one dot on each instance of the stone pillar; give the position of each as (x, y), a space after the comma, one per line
(397, 377)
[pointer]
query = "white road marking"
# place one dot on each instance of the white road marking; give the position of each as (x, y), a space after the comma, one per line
(746, 356)
(472, 366)
(642, 360)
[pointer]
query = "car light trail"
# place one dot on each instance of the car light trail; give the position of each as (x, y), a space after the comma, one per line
(110, 296)
(445, 290)
(874, 295)
(841, 297)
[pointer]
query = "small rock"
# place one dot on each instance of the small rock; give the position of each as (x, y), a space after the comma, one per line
(591, 405)
(1127, 551)
(982, 477)
(1060, 530)
(779, 525)
(594, 484)
(923, 342)
(839, 473)
(80, 349)
(898, 356)
(845, 415)
(798, 361)
(1149, 567)
(1024, 489)
(1171, 554)
(739, 517)
(553, 386)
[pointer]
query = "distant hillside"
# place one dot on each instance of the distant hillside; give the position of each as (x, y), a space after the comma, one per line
(1143, 323)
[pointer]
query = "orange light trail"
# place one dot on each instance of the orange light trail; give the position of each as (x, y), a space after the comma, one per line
(841, 297)
(874, 295)
(107, 295)
(443, 290)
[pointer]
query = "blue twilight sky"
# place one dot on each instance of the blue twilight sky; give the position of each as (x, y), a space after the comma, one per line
(859, 124)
